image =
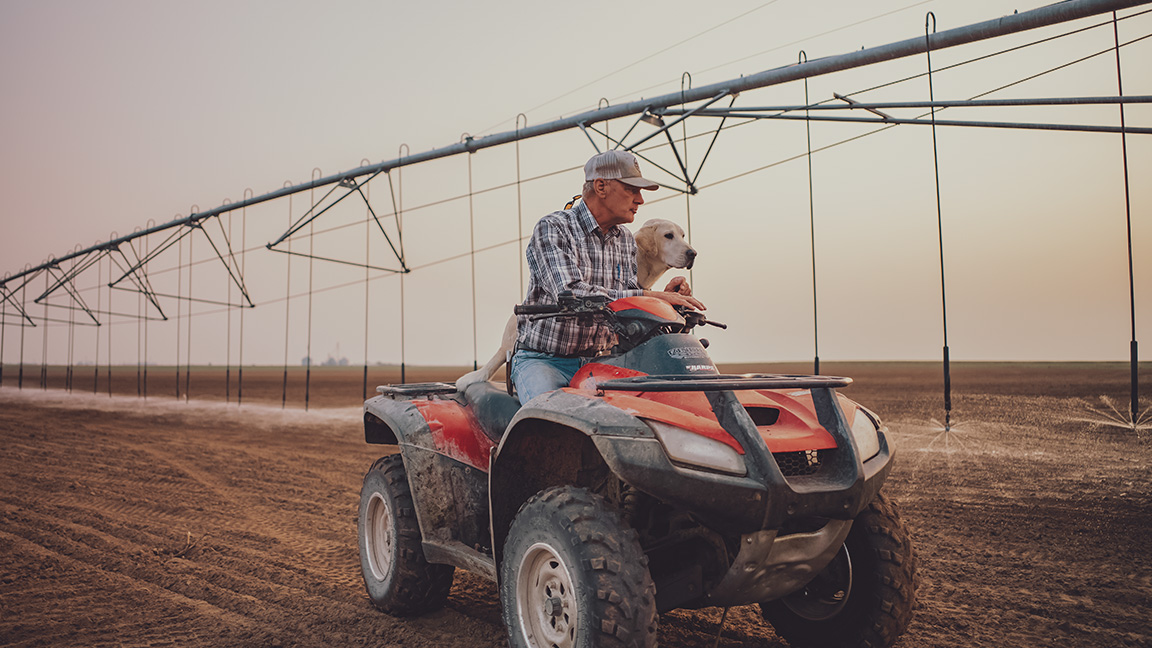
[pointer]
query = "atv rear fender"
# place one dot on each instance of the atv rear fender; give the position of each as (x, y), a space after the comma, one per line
(450, 497)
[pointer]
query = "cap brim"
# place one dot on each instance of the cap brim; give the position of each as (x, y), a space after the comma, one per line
(640, 182)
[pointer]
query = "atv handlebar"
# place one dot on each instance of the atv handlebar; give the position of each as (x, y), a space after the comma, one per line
(566, 304)
(596, 306)
(630, 330)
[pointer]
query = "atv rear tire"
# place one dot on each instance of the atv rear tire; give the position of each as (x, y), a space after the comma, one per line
(399, 580)
(573, 575)
(864, 597)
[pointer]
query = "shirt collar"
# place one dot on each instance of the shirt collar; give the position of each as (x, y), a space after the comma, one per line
(588, 221)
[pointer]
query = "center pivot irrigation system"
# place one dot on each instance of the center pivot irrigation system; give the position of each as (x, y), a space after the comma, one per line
(130, 259)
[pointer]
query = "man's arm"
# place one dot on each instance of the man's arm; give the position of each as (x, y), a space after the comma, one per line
(554, 261)
(676, 299)
(677, 293)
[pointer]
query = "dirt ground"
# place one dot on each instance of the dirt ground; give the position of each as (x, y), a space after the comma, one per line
(157, 522)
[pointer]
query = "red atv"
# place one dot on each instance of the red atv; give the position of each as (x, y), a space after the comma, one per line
(651, 483)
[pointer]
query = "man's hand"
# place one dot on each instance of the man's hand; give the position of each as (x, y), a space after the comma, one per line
(679, 285)
(677, 299)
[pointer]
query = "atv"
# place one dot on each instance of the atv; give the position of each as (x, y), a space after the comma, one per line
(652, 482)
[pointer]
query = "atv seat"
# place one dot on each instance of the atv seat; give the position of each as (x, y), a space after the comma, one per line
(492, 407)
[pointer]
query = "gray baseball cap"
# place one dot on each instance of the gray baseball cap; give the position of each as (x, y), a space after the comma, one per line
(617, 165)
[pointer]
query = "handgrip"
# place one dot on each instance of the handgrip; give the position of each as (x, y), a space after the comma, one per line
(535, 309)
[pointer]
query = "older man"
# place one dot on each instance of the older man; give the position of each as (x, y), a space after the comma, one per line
(585, 250)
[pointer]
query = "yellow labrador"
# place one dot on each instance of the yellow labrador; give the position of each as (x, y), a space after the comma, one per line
(660, 245)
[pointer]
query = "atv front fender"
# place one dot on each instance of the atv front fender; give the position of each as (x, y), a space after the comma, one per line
(591, 416)
(550, 442)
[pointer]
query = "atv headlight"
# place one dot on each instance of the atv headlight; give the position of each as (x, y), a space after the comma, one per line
(693, 449)
(864, 428)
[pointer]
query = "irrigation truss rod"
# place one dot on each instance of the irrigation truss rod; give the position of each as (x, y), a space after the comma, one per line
(886, 119)
(1053, 14)
(887, 105)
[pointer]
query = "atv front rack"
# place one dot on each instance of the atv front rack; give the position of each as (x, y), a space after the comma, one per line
(719, 382)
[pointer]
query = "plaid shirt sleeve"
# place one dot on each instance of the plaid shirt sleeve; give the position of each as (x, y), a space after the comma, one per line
(561, 261)
(568, 251)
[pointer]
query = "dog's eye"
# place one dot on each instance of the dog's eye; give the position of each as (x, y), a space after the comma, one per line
(668, 236)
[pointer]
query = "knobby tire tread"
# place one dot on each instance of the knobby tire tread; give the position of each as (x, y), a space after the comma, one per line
(420, 586)
(609, 554)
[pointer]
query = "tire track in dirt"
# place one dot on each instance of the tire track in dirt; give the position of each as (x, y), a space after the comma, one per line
(241, 503)
(238, 499)
(100, 550)
(97, 623)
(274, 533)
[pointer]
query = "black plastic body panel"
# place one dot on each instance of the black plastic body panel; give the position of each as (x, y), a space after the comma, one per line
(671, 354)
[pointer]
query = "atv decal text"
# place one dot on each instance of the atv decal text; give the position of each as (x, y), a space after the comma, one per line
(687, 352)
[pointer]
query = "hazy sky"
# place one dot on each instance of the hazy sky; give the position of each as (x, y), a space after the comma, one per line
(116, 114)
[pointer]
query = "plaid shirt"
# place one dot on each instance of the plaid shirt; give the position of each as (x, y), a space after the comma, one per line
(569, 251)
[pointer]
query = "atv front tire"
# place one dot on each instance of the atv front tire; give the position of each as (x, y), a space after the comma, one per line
(863, 598)
(399, 580)
(574, 575)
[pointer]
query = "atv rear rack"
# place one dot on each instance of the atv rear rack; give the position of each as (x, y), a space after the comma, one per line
(719, 382)
(416, 389)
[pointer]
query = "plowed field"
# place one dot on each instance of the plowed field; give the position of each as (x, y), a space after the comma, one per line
(157, 522)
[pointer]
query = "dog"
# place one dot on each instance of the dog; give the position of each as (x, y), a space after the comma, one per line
(660, 246)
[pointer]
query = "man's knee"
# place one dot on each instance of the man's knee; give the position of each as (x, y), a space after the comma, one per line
(537, 373)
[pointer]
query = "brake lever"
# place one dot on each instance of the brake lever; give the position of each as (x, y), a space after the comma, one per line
(696, 318)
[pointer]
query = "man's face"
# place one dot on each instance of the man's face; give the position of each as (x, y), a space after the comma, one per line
(620, 202)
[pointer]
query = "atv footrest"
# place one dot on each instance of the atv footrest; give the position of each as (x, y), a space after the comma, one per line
(417, 389)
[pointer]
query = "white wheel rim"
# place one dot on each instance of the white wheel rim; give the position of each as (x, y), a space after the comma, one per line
(546, 600)
(378, 536)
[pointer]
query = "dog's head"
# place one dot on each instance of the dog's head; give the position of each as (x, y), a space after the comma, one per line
(664, 242)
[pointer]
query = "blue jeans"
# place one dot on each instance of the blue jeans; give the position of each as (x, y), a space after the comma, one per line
(534, 373)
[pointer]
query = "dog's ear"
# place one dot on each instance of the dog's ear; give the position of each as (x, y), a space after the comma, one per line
(646, 240)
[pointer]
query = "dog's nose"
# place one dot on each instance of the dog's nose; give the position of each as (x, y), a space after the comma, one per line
(690, 257)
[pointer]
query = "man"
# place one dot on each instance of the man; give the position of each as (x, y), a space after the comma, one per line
(585, 250)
